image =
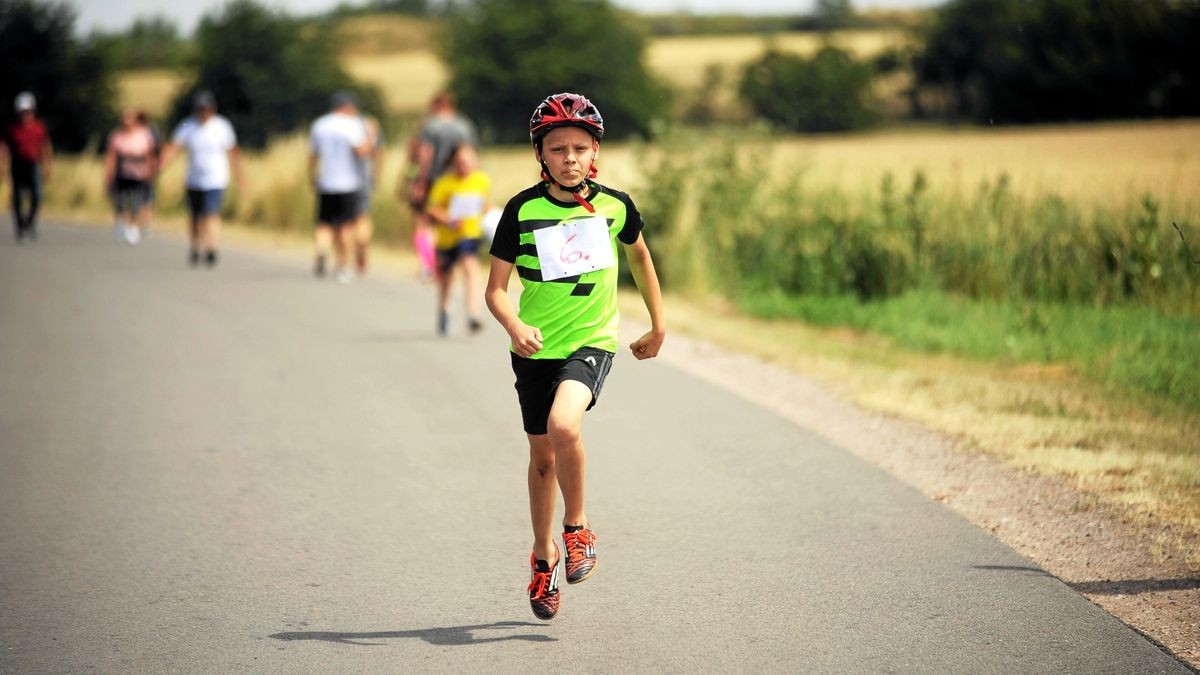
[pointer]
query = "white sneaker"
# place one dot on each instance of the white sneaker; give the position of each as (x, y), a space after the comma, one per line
(344, 276)
(133, 234)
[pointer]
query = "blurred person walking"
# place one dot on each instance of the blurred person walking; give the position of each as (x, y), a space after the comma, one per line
(129, 166)
(443, 131)
(29, 154)
(457, 202)
(338, 140)
(369, 166)
(211, 145)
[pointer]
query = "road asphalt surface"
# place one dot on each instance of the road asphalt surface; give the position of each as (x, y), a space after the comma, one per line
(249, 469)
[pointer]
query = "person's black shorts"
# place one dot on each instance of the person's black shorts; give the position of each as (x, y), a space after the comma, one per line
(129, 196)
(337, 208)
(446, 258)
(538, 380)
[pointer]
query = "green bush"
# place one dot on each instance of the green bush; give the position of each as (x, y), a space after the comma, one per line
(73, 81)
(1060, 60)
(828, 92)
(505, 56)
(149, 43)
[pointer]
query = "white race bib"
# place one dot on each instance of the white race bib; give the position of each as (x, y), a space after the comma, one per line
(574, 247)
(465, 205)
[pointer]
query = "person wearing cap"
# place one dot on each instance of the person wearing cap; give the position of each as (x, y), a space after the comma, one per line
(29, 154)
(560, 237)
(211, 146)
(338, 140)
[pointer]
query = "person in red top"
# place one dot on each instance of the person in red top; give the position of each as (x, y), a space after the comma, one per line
(28, 152)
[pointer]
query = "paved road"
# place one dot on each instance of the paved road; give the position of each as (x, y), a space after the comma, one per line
(246, 469)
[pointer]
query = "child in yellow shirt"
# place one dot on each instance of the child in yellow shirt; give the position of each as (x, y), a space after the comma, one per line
(457, 203)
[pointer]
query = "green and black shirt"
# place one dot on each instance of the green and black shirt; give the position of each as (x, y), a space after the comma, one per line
(567, 260)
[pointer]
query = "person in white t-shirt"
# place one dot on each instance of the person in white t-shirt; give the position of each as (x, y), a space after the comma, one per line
(338, 140)
(211, 145)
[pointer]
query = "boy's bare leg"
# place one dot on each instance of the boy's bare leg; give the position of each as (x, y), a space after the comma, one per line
(565, 428)
(543, 487)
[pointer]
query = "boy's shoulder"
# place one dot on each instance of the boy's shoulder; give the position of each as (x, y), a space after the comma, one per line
(613, 192)
(529, 194)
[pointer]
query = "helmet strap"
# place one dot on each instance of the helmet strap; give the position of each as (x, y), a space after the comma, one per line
(575, 190)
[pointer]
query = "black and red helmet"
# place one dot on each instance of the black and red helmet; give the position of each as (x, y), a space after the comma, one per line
(565, 110)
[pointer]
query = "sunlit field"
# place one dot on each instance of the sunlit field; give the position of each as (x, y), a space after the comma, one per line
(683, 60)
(149, 90)
(1092, 163)
(386, 34)
(407, 80)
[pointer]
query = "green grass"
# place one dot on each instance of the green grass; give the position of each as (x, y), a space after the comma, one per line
(1130, 350)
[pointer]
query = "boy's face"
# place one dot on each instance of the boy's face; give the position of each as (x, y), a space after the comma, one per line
(569, 153)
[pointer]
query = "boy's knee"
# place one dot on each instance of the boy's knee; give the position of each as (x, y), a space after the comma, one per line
(563, 433)
(541, 455)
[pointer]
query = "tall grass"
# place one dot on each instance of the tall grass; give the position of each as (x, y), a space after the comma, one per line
(1107, 287)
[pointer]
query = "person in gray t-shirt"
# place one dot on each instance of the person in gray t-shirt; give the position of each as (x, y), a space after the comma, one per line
(443, 131)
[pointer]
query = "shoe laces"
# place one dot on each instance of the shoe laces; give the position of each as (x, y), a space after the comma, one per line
(577, 542)
(539, 585)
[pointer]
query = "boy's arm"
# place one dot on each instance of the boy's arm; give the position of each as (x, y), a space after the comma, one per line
(526, 340)
(642, 267)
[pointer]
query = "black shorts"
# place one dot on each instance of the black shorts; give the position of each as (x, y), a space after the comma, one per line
(129, 196)
(447, 257)
(337, 208)
(538, 380)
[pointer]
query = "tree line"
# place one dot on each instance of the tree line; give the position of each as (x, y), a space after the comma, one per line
(990, 61)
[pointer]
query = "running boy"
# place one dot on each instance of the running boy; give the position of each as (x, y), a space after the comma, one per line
(561, 236)
(457, 202)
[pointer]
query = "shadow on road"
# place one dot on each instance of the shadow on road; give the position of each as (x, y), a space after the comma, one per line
(1012, 568)
(1132, 586)
(452, 636)
(1110, 586)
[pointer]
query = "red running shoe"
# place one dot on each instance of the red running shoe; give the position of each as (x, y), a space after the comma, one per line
(543, 587)
(581, 554)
